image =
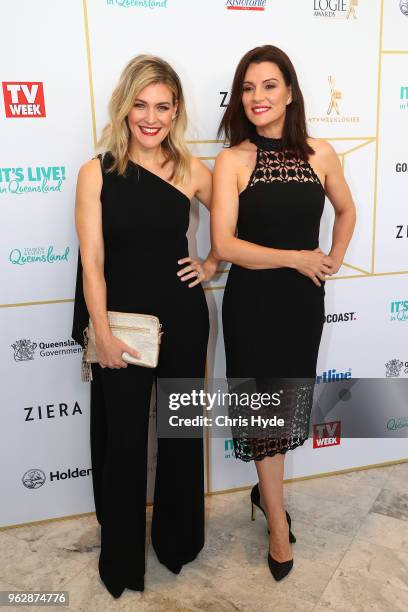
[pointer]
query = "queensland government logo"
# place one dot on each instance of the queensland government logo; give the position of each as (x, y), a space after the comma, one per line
(32, 255)
(399, 310)
(334, 111)
(404, 7)
(335, 9)
(395, 367)
(24, 349)
(245, 5)
(40, 179)
(23, 100)
(150, 4)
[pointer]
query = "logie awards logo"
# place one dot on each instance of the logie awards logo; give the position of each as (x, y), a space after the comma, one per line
(335, 9)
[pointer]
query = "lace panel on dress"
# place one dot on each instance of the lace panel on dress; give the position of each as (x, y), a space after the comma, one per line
(276, 166)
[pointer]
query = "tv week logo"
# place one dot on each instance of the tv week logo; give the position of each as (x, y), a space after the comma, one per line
(326, 434)
(22, 100)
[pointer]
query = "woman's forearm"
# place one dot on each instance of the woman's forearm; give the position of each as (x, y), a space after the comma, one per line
(254, 256)
(342, 232)
(94, 285)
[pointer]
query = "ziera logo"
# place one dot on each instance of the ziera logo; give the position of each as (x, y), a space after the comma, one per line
(245, 5)
(399, 310)
(335, 9)
(404, 7)
(51, 411)
(402, 231)
(326, 434)
(23, 100)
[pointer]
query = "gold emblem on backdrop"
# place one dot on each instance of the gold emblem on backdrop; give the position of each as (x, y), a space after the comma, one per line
(334, 112)
(351, 13)
(335, 95)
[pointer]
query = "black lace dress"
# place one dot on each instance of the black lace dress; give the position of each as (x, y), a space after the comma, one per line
(273, 318)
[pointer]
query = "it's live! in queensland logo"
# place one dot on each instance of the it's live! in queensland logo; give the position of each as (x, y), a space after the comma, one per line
(40, 179)
(245, 5)
(399, 310)
(24, 100)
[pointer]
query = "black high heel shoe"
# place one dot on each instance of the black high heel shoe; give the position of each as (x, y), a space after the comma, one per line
(255, 499)
(279, 570)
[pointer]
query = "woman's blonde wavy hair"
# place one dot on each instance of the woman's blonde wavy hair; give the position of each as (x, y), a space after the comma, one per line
(141, 71)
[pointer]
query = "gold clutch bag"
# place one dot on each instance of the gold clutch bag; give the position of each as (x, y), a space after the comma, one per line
(139, 331)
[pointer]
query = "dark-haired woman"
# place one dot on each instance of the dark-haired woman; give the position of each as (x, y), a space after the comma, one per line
(269, 192)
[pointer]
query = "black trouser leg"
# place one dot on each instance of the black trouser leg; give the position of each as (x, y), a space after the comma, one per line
(122, 488)
(178, 513)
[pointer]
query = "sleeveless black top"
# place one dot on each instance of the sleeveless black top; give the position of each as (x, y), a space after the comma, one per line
(145, 220)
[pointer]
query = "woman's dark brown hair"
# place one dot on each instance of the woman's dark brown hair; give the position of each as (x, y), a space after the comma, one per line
(235, 124)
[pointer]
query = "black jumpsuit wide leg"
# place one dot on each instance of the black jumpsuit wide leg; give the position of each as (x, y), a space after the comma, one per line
(145, 220)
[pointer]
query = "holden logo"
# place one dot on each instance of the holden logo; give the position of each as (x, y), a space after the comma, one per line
(404, 7)
(393, 367)
(24, 350)
(34, 479)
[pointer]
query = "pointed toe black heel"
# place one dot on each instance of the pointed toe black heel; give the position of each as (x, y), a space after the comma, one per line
(279, 570)
(255, 499)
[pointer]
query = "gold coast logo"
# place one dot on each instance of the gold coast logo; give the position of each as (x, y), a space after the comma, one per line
(40, 179)
(335, 9)
(334, 111)
(245, 5)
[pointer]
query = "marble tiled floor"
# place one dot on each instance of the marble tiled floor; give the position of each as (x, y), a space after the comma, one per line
(351, 554)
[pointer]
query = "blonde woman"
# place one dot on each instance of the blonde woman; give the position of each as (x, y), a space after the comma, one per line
(132, 214)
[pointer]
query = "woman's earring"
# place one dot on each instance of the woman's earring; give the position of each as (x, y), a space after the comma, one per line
(173, 118)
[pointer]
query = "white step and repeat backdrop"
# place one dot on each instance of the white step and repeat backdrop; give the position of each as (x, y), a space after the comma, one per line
(58, 71)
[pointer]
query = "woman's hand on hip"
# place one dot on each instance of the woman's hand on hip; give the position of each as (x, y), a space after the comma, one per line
(314, 264)
(109, 351)
(195, 269)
